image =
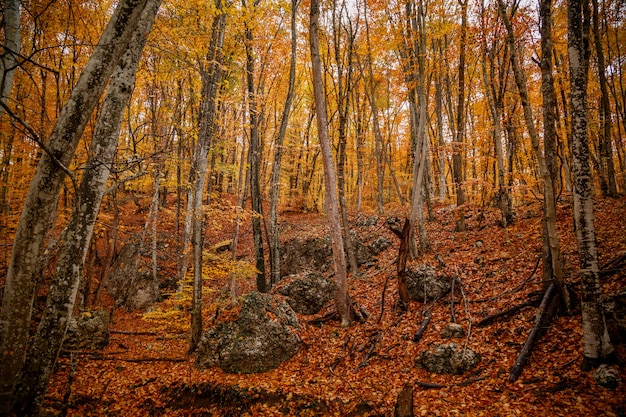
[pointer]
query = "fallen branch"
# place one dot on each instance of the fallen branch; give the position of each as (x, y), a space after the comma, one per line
(129, 332)
(470, 381)
(420, 332)
(111, 358)
(541, 319)
(429, 385)
(511, 291)
(452, 315)
(506, 313)
(374, 340)
(613, 265)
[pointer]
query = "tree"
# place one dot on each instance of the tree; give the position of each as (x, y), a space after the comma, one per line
(607, 169)
(344, 85)
(12, 45)
(254, 154)
(46, 343)
(552, 254)
(331, 203)
(597, 344)
(211, 79)
(457, 155)
(274, 242)
(41, 200)
(495, 74)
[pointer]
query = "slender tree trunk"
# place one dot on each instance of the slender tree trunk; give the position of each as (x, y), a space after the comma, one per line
(11, 48)
(549, 195)
(46, 344)
(332, 205)
(274, 241)
(42, 197)
(597, 344)
(211, 79)
(378, 137)
(607, 168)
(344, 88)
(254, 159)
(440, 142)
(495, 98)
(457, 155)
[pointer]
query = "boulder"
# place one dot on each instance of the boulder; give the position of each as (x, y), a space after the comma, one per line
(364, 220)
(307, 292)
(89, 331)
(143, 291)
(380, 244)
(261, 337)
(298, 255)
(447, 359)
(360, 249)
(607, 376)
(424, 280)
(452, 330)
(131, 288)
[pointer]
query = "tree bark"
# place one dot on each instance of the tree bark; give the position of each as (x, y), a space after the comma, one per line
(12, 46)
(254, 159)
(597, 344)
(41, 200)
(211, 78)
(331, 203)
(344, 88)
(605, 147)
(274, 242)
(62, 296)
(457, 155)
(549, 195)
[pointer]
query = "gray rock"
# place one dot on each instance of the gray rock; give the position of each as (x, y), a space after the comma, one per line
(452, 330)
(298, 255)
(89, 331)
(364, 220)
(307, 292)
(447, 359)
(607, 376)
(380, 244)
(262, 337)
(142, 292)
(424, 280)
(360, 249)
(131, 288)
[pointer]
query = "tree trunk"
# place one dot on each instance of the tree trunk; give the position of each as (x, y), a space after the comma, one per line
(597, 344)
(11, 48)
(211, 78)
(344, 88)
(607, 168)
(378, 138)
(332, 205)
(46, 344)
(495, 98)
(274, 241)
(42, 197)
(457, 155)
(549, 195)
(254, 160)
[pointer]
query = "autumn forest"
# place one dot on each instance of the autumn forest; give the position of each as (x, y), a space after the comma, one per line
(312, 207)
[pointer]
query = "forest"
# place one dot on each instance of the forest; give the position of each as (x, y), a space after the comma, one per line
(312, 207)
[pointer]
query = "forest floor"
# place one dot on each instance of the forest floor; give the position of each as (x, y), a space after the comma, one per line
(145, 369)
